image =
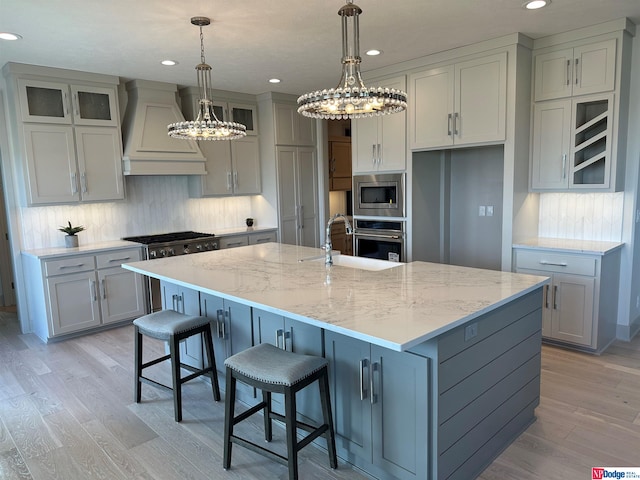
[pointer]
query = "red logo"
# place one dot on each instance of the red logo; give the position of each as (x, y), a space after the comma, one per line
(597, 473)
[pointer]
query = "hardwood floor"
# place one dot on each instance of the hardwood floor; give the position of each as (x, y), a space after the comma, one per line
(66, 412)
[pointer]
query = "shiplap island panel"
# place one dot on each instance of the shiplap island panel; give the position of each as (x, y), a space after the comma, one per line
(404, 344)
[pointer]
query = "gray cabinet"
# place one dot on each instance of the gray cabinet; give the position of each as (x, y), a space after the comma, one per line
(249, 238)
(78, 292)
(294, 337)
(187, 301)
(582, 70)
(380, 406)
(459, 104)
(69, 131)
(379, 143)
(291, 128)
(232, 332)
(298, 195)
(580, 302)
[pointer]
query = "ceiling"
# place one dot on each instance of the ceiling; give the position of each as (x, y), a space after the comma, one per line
(251, 41)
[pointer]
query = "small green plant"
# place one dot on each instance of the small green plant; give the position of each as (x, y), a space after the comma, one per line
(69, 230)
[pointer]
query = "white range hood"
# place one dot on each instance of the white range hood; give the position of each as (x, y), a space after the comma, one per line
(148, 150)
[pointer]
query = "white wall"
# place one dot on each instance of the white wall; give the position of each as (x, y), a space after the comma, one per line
(154, 204)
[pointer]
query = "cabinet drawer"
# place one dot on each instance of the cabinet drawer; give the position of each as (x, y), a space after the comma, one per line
(69, 265)
(257, 238)
(556, 262)
(231, 242)
(118, 257)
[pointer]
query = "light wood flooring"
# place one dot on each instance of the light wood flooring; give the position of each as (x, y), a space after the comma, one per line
(66, 412)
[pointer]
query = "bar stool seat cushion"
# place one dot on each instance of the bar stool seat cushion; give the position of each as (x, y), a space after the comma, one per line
(268, 364)
(165, 323)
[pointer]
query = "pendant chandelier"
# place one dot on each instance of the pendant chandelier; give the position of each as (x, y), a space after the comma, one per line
(206, 126)
(351, 98)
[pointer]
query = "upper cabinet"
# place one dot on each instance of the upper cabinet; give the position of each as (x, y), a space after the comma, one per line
(582, 70)
(379, 143)
(50, 102)
(293, 128)
(233, 167)
(580, 110)
(67, 128)
(459, 104)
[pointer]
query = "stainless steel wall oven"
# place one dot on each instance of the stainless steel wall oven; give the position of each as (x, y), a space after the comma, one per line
(381, 239)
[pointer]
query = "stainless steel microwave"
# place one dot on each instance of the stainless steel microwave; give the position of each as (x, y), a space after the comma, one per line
(380, 195)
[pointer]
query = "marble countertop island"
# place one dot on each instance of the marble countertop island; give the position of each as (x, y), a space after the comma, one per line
(396, 308)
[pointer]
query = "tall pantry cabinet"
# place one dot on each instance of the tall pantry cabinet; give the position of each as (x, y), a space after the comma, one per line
(67, 134)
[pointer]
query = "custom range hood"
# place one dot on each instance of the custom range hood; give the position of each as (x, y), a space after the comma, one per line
(148, 149)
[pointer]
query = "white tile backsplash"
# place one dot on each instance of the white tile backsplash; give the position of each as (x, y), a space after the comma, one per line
(154, 204)
(583, 216)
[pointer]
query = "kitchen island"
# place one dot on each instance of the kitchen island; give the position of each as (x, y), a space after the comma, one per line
(435, 369)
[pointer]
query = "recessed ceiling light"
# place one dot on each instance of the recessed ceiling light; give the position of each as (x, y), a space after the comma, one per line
(169, 63)
(274, 80)
(373, 52)
(535, 4)
(9, 36)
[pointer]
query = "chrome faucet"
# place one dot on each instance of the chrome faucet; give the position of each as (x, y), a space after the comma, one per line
(327, 245)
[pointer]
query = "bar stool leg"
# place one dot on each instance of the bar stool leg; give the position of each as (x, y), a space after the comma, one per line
(323, 383)
(292, 439)
(229, 409)
(208, 342)
(268, 422)
(138, 360)
(174, 350)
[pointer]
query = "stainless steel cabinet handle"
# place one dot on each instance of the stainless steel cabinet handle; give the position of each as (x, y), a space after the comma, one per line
(373, 398)
(379, 157)
(564, 166)
(555, 297)
(456, 127)
(78, 265)
(373, 153)
(576, 72)
(228, 180)
(173, 302)
(76, 106)
(83, 182)
(123, 259)
(568, 71)
(556, 264)
(395, 237)
(93, 288)
(363, 389)
(546, 296)
(104, 289)
(279, 334)
(286, 336)
(449, 125)
(219, 320)
(235, 179)
(301, 216)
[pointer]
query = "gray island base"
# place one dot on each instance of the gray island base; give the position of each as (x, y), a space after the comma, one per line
(435, 369)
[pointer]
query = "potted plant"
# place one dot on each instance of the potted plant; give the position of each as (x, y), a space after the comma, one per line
(71, 240)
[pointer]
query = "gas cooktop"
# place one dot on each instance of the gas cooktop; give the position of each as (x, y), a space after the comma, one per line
(168, 237)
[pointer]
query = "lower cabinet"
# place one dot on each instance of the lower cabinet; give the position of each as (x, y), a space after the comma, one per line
(187, 301)
(580, 302)
(294, 337)
(380, 406)
(231, 332)
(244, 239)
(72, 293)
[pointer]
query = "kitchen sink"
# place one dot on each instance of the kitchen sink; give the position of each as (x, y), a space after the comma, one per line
(362, 263)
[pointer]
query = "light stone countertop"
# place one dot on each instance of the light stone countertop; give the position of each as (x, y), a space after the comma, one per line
(395, 308)
(53, 252)
(569, 245)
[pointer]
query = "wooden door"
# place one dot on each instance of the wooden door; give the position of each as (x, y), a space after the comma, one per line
(307, 186)
(288, 204)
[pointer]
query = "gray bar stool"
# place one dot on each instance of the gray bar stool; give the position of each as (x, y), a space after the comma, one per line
(273, 370)
(172, 327)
